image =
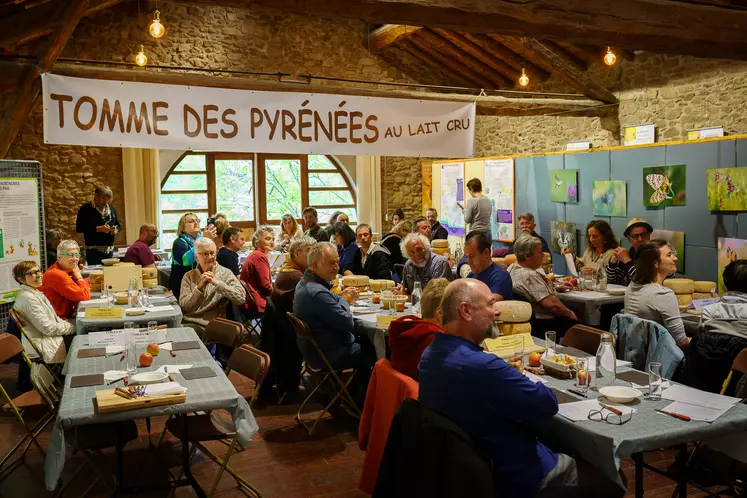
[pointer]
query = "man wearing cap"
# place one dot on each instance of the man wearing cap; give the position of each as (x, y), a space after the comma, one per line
(621, 267)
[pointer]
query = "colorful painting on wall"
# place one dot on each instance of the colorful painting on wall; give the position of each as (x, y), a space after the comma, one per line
(610, 198)
(563, 236)
(729, 250)
(664, 185)
(677, 241)
(726, 189)
(564, 185)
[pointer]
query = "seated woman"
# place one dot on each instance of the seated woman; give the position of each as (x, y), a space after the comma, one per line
(289, 230)
(647, 298)
(42, 324)
(344, 238)
(600, 246)
(182, 250)
(392, 240)
(255, 272)
(64, 286)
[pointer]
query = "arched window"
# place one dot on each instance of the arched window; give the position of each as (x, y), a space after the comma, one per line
(253, 189)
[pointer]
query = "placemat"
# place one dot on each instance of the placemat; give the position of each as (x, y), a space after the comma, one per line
(198, 373)
(635, 376)
(185, 345)
(87, 380)
(91, 352)
(564, 397)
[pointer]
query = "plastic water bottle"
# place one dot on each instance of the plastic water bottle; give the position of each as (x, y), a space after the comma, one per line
(416, 291)
(601, 279)
(606, 362)
(458, 252)
(132, 297)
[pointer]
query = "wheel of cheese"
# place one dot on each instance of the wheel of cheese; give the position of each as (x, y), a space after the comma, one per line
(514, 311)
(701, 295)
(123, 264)
(96, 277)
(354, 281)
(684, 299)
(500, 262)
(440, 243)
(150, 273)
(514, 328)
(441, 251)
(680, 285)
(510, 259)
(150, 283)
(704, 286)
(378, 285)
(683, 309)
(96, 287)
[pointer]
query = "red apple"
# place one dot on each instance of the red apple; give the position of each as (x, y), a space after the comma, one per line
(534, 359)
(146, 359)
(584, 378)
(153, 349)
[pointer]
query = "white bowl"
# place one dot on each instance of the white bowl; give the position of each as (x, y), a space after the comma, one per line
(135, 311)
(616, 292)
(149, 377)
(620, 394)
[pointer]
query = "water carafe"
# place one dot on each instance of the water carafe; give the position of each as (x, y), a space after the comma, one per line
(132, 294)
(606, 362)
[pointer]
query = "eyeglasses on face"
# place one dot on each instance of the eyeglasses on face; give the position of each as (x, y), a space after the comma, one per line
(609, 417)
(71, 255)
(206, 254)
(33, 273)
(638, 236)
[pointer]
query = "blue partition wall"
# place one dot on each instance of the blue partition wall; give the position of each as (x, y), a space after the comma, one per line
(702, 227)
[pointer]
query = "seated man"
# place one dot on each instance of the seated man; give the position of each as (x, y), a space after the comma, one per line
(139, 252)
(723, 333)
(422, 265)
(547, 310)
(228, 255)
(527, 225)
(329, 317)
(410, 335)
(370, 259)
(621, 267)
(63, 284)
(438, 232)
(477, 251)
(207, 290)
(421, 225)
(497, 406)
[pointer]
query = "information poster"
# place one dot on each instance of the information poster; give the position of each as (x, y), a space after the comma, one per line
(499, 188)
(19, 230)
(427, 171)
(452, 196)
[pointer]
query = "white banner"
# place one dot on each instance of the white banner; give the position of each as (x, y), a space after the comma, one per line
(80, 111)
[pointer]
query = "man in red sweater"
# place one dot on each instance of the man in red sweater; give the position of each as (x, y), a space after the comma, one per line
(410, 335)
(63, 284)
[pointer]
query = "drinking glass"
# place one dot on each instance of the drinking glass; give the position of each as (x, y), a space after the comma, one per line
(583, 376)
(550, 269)
(152, 325)
(131, 359)
(587, 274)
(549, 343)
(654, 381)
(144, 298)
(387, 301)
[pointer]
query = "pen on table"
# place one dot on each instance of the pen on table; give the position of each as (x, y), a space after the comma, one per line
(577, 393)
(115, 380)
(675, 415)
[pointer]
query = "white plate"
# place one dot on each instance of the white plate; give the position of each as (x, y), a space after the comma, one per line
(620, 394)
(149, 377)
(616, 292)
(135, 311)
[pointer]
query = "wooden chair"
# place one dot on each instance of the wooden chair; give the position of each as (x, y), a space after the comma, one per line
(20, 322)
(739, 365)
(326, 375)
(584, 338)
(217, 426)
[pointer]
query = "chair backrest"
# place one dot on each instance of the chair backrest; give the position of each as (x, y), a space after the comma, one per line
(223, 331)
(740, 362)
(302, 328)
(250, 362)
(21, 324)
(43, 382)
(583, 337)
(9, 347)
(642, 341)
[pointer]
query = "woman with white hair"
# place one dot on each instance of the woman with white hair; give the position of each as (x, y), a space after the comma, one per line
(64, 286)
(256, 270)
(97, 221)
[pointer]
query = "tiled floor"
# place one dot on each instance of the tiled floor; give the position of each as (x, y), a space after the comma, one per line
(281, 461)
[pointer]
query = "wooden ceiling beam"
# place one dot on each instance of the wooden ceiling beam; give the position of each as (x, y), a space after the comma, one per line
(450, 63)
(486, 105)
(578, 52)
(507, 55)
(466, 59)
(565, 70)
(567, 54)
(423, 56)
(485, 57)
(20, 106)
(514, 44)
(387, 35)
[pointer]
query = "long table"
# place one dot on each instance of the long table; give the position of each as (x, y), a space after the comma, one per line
(588, 304)
(77, 404)
(171, 318)
(603, 445)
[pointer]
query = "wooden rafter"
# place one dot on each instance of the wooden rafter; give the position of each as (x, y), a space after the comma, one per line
(446, 47)
(388, 35)
(445, 61)
(566, 54)
(578, 52)
(507, 55)
(490, 105)
(428, 59)
(514, 44)
(24, 99)
(485, 57)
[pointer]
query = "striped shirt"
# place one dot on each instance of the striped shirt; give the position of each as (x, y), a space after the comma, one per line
(622, 273)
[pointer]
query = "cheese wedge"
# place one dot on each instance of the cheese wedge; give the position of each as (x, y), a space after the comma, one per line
(680, 285)
(514, 311)
(514, 328)
(355, 281)
(684, 299)
(150, 283)
(440, 243)
(704, 286)
(378, 285)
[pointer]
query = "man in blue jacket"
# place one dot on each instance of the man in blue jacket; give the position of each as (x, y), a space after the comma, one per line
(496, 405)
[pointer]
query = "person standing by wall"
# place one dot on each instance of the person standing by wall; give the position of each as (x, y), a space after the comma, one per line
(478, 210)
(97, 221)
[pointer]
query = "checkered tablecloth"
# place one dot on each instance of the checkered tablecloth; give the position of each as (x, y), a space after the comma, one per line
(172, 318)
(77, 404)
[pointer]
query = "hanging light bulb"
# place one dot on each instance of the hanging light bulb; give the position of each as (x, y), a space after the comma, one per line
(523, 79)
(610, 57)
(156, 29)
(140, 58)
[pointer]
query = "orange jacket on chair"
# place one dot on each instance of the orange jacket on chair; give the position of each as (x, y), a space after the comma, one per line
(387, 389)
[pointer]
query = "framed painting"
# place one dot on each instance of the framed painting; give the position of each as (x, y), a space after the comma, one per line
(610, 198)
(564, 185)
(563, 236)
(726, 189)
(664, 185)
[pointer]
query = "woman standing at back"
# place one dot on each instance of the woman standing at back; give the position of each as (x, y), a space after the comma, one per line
(183, 250)
(478, 210)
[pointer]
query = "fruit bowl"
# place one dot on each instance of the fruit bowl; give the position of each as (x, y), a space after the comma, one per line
(559, 365)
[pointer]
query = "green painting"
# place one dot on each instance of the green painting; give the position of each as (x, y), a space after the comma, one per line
(677, 241)
(563, 185)
(610, 198)
(729, 250)
(664, 185)
(563, 236)
(726, 189)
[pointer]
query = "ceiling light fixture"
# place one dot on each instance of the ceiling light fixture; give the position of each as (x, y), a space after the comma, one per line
(156, 29)
(610, 57)
(140, 58)
(523, 79)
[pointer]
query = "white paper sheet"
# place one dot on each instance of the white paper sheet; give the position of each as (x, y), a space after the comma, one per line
(356, 309)
(695, 412)
(579, 410)
(591, 363)
(154, 309)
(116, 349)
(700, 398)
(571, 264)
(94, 301)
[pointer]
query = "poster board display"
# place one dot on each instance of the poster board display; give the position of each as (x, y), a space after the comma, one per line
(499, 188)
(20, 237)
(452, 197)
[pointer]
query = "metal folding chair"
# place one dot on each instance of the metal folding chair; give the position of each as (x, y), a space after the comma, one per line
(54, 369)
(217, 426)
(326, 375)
